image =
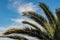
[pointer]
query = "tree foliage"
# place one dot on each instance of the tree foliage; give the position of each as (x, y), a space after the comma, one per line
(51, 25)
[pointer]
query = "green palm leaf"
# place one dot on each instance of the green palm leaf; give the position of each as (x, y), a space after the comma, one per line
(41, 21)
(14, 37)
(27, 31)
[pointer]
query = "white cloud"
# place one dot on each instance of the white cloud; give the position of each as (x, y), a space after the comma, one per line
(27, 7)
(18, 20)
(2, 29)
(14, 4)
(6, 39)
(22, 6)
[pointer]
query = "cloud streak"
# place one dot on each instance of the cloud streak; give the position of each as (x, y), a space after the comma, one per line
(27, 7)
(22, 6)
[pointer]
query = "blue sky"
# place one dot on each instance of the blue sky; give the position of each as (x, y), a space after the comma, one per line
(10, 11)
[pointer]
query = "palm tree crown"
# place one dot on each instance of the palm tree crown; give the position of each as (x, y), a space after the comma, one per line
(51, 25)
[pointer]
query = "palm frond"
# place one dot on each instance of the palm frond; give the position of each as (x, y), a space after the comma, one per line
(26, 22)
(14, 37)
(41, 21)
(29, 32)
(58, 13)
(49, 14)
(57, 30)
(37, 28)
(52, 26)
(38, 18)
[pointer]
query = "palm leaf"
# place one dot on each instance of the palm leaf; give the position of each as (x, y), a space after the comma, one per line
(49, 14)
(57, 32)
(14, 37)
(41, 21)
(26, 22)
(38, 18)
(29, 32)
(52, 26)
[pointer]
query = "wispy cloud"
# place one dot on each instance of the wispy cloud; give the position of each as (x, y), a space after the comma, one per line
(6, 39)
(22, 6)
(14, 4)
(2, 29)
(27, 7)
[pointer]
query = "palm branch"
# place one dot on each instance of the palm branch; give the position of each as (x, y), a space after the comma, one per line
(51, 25)
(14, 37)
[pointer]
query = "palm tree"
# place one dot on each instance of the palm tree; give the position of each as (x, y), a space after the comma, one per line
(51, 25)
